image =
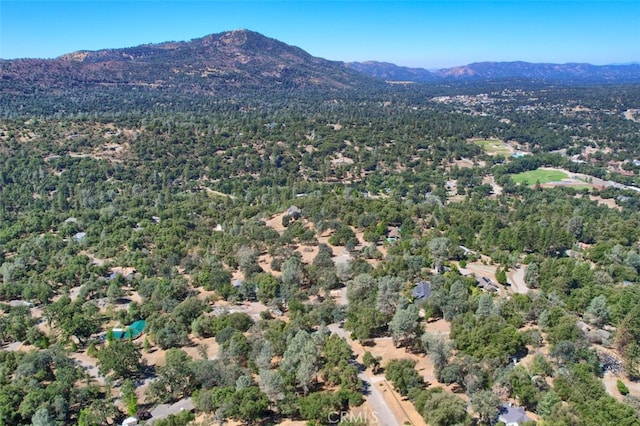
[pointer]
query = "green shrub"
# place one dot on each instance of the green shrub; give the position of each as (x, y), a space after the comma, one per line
(622, 388)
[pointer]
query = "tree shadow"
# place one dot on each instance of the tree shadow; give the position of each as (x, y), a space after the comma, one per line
(366, 387)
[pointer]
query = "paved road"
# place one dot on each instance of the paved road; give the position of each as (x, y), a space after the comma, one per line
(383, 413)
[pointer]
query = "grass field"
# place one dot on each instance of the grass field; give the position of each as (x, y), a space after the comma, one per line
(493, 146)
(540, 175)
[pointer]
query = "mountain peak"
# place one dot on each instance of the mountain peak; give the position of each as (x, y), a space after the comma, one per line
(234, 37)
(238, 59)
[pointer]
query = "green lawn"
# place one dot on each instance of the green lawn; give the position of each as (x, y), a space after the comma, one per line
(540, 175)
(493, 146)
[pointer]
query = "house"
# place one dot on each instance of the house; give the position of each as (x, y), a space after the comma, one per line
(293, 212)
(393, 234)
(80, 236)
(422, 291)
(127, 275)
(511, 415)
(486, 284)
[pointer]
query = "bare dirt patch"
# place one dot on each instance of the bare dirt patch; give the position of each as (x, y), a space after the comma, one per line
(632, 114)
(610, 383)
(253, 309)
(340, 159)
(218, 193)
(609, 202)
(490, 180)
(264, 261)
(95, 260)
(464, 163)
(308, 252)
(440, 326)
(209, 343)
(276, 222)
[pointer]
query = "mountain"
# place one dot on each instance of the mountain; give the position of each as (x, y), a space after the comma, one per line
(567, 73)
(571, 72)
(392, 72)
(234, 60)
(235, 63)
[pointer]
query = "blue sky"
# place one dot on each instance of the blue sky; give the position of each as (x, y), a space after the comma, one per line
(429, 34)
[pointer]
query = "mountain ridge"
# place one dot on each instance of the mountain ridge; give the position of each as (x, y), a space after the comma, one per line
(242, 60)
(567, 72)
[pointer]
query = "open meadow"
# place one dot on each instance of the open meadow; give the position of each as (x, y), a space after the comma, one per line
(539, 176)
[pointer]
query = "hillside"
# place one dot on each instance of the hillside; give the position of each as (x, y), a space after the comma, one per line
(388, 71)
(234, 60)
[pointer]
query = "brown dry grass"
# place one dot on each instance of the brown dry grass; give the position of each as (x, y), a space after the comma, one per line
(276, 222)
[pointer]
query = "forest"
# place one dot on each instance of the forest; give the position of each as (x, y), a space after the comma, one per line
(288, 252)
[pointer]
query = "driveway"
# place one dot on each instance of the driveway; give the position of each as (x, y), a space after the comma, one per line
(516, 278)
